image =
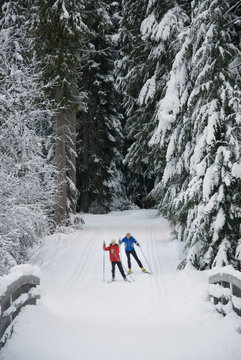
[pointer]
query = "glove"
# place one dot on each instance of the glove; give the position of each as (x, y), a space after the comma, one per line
(119, 241)
(137, 244)
(103, 244)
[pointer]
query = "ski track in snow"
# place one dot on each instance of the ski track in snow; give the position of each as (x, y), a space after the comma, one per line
(164, 316)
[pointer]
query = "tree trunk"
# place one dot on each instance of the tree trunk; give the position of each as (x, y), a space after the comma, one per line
(61, 207)
(85, 166)
(72, 145)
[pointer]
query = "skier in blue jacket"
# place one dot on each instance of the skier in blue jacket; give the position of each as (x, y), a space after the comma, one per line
(129, 242)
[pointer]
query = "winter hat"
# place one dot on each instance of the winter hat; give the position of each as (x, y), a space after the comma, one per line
(113, 241)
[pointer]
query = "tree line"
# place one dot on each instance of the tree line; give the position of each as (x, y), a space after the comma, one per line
(108, 104)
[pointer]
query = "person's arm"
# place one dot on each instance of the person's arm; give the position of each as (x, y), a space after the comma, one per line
(106, 248)
(136, 242)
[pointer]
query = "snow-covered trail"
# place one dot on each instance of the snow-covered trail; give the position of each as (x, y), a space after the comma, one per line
(164, 316)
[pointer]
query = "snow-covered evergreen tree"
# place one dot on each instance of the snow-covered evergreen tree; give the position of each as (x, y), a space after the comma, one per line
(59, 31)
(129, 71)
(100, 136)
(201, 181)
(148, 36)
(27, 186)
(117, 182)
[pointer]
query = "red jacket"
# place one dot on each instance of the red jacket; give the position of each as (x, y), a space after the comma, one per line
(114, 252)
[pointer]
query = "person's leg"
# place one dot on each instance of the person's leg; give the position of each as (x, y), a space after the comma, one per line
(133, 253)
(128, 259)
(113, 269)
(119, 264)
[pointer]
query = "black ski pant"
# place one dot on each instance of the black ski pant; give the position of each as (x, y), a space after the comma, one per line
(133, 253)
(119, 264)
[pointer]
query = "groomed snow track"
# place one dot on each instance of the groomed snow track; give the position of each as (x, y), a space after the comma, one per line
(164, 316)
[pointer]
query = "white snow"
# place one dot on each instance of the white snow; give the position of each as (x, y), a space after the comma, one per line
(148, 90)
(167, 109)
(164, 316)
(176, 92)
(65, 15)
(147, 25)
(220, 220)
(236, 170)
(210, 180)
(236, 302)
(219, 291)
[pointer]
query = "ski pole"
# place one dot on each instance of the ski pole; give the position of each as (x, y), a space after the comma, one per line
(145, 259)
(128, 273)
(103, 264)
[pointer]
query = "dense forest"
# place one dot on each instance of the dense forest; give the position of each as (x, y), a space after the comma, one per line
(106, 105)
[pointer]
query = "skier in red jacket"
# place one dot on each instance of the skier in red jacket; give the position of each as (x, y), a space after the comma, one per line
(114, 250)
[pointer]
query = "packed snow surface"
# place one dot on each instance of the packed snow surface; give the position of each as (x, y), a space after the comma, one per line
(164, 316)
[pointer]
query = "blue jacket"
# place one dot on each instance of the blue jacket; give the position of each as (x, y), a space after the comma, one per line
(129, 243)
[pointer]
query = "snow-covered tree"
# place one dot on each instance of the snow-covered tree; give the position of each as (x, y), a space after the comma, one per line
(59, 31)
(148, 37)
(201, 182)
(100, 136)
(129, 71)
(27, 185)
